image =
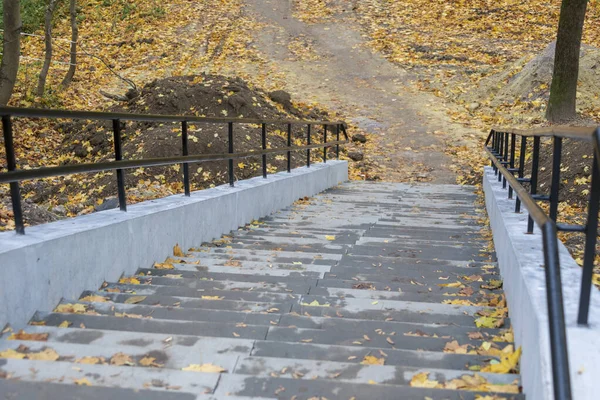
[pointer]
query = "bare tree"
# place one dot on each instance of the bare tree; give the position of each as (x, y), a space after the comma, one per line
(74, 36)
(11, 49)
(48, 46)
(563, 92)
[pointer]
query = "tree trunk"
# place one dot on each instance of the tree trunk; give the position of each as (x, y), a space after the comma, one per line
(563, 91)
(11, 49)
(74, 36)
(48, 41)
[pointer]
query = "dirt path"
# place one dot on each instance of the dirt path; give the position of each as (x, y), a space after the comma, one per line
(337, 70)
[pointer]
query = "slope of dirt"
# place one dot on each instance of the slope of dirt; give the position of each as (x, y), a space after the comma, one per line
(525, 86)
(202, 95)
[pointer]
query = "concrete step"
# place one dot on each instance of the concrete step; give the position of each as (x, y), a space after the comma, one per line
(150, 325)
(165, 355)
(352, 372)
(382, 340)
(180, 314)
(124, 377)
(212, 294)
(272, 269)
(410, 314)
(178, 358)
(28, 390)
(369, 328)
(331, 389)
(206, 284)
(148, 342)
(153, 343)
(295, 277)
(192, 302)
(263, 255)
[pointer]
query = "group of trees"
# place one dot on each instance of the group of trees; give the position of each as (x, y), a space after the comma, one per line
(11, 47)
(563, 90)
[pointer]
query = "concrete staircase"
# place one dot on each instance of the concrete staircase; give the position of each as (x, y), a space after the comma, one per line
(336, 297)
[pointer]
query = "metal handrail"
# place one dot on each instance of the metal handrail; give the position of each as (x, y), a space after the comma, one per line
(14, 175)
(109, 116)
(500, 147)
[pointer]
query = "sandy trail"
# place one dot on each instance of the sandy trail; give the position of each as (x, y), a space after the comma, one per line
(341, 73)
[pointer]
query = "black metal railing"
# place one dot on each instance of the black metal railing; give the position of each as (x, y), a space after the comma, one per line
(501, 147)
(14, 175)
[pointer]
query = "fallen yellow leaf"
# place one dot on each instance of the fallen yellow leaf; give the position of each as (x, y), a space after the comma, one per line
(163, 266)
(130, 280)
(70, 308)
(508, 362)
(135, 299)
(372, 360)
(22, 335)
(177, 252)
(94, 298)
(121, 359)
(44, 355)
(210, 368)
(10, 353)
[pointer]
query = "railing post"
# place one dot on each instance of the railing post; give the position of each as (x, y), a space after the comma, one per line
(324, 143)
(337, 138)
(535, 162)
(264, 147)
(11, 163)
(554, 189)
(521, 173)
(289, 144)
(308, 150)
(185, 151)
(230, 141)
(591, 234)
(513, 139)
(556, 314)
(119, 157)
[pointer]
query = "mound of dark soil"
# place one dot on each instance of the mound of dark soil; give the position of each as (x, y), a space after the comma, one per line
(575, 174)
(205, 95)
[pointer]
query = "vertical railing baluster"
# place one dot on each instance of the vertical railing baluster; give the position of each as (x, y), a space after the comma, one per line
(118, 157)
(535, 163)
(505, 158)
(324, 143)
(11, 163)
(230, 142)
(308, 150)
(556, 321)
(264, 147)
(185, 151)
(554, 189)
(337, 138)
(491, 145)
(513, 140)
(289, 144)
(591, 235)
(500, 151)
(521, 173)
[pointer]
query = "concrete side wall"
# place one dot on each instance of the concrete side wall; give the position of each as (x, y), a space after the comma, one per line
(520, 257)
(61, 259)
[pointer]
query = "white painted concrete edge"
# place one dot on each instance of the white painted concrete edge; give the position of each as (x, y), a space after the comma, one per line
(63, 258)
(520, 257)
